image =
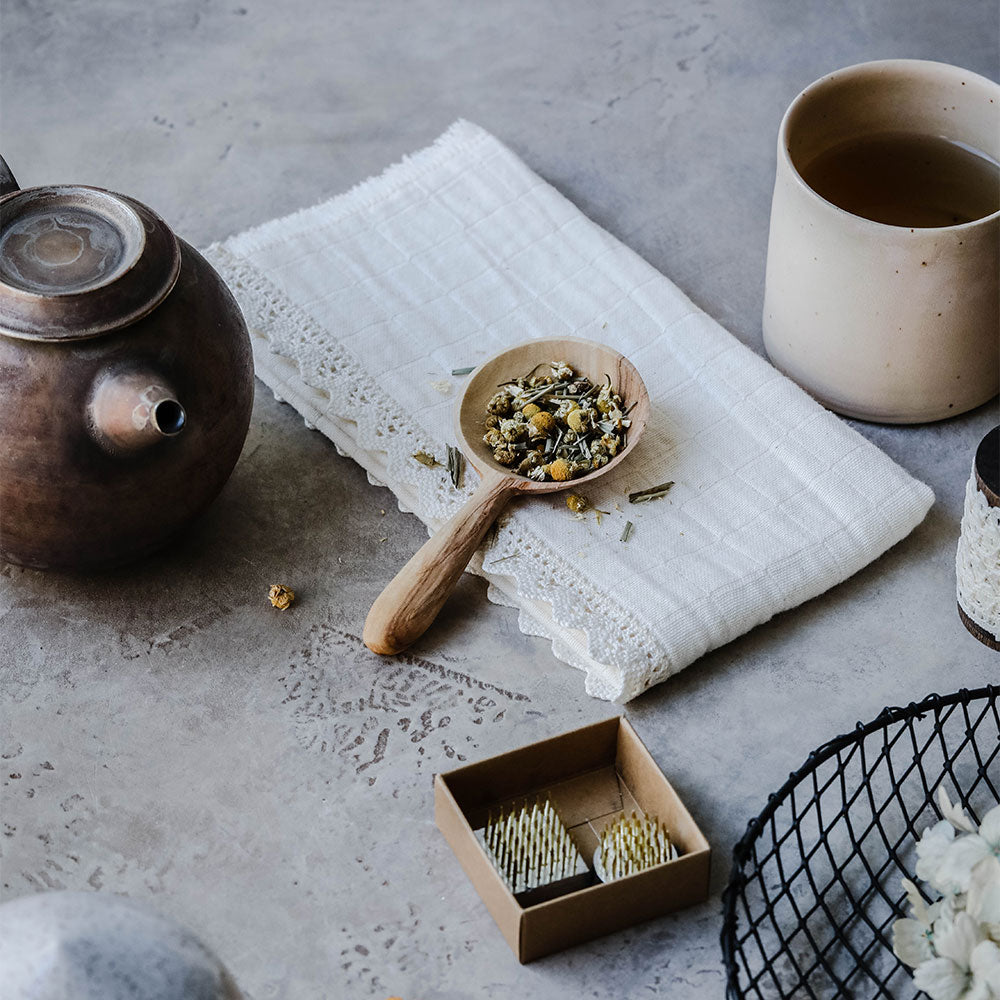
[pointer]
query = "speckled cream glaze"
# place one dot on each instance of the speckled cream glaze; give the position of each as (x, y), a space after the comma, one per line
(883, 322)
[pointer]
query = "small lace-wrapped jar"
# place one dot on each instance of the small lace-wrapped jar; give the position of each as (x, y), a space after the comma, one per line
(977, 562)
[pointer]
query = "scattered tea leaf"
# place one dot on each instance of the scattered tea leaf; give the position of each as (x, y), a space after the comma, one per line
(653, 493)
(456, 466)
(627, 533)
(429, 460)
(463, 371)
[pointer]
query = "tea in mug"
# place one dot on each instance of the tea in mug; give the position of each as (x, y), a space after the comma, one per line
(907, 179)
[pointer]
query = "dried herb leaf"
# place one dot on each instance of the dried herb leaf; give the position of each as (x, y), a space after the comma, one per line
(429, 460)
(653, 493)
(463, 371)
(456, 466)
(627, 533)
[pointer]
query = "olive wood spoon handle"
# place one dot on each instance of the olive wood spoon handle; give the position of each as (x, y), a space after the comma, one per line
(415, 595)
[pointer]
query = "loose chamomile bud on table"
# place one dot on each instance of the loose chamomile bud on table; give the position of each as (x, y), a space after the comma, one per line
(280, 596)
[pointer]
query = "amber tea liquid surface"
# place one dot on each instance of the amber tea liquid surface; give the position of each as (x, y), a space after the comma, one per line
(905, 179)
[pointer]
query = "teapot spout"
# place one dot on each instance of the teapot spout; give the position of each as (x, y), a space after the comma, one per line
(132, 410)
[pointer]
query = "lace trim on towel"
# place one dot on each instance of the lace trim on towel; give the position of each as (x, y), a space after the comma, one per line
(977, 562)
(623, 657)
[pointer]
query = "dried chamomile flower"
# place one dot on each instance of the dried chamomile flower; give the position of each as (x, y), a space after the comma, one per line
(500, 404)
(555, 424)
(560, 470)
(577, 503)
(543, 423)
(610, 444)
(513, 430)
(280, 596)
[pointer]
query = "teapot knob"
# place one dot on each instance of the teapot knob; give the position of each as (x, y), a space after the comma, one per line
(134, 409)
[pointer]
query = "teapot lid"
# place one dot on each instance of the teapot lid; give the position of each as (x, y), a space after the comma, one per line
(78, 261)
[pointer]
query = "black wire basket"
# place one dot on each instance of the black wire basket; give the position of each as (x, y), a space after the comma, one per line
(815, 885)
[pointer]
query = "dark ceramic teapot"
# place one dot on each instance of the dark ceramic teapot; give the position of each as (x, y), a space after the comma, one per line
(126, 378)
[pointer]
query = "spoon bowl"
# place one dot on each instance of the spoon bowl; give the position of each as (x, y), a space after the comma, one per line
(587, 358)
(412, 600)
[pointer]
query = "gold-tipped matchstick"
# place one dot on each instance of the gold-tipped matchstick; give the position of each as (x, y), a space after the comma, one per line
(631, 844)
(530, 847)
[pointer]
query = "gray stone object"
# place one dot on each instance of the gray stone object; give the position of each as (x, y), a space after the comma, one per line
(97, 946)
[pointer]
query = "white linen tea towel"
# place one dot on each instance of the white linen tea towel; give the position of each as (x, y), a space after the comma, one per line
(361, 308)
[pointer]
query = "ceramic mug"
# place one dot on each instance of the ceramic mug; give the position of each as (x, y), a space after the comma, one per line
(880, 310)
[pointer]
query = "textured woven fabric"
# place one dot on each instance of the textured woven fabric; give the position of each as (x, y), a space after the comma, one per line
(977, 560)
(360, 308)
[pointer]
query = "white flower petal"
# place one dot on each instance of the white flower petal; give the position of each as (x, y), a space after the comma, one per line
(985, 965)
(917, 905)
(978, 991)
(954, 869)
(989, 829)
(956, 940)
(910, 942)
(941, 979)
(955, 814)
(985, 958)
(935, 841)
(983, 901)
(949, 908)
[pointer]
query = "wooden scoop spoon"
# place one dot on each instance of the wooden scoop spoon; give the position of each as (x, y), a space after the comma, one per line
(411, 601)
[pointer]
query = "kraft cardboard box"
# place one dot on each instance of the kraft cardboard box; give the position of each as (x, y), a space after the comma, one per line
(591, 775)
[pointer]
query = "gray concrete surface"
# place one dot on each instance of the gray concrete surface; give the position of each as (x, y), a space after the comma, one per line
(259, 775)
